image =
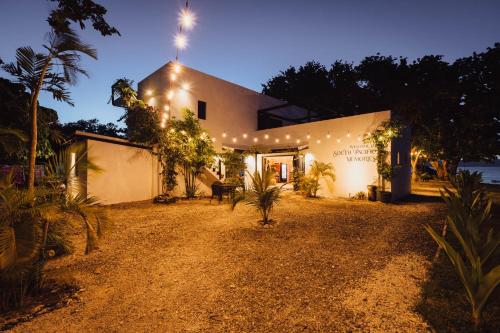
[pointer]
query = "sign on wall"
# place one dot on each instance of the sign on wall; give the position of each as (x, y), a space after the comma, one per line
(357, 153)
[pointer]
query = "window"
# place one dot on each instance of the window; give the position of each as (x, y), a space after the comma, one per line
(202, 110)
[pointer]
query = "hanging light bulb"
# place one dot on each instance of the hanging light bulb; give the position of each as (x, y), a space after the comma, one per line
(187, 19)
(245, 135)
(255, 139)
(266, 136)
(328, 135)
(298, 140)
(224, 135)
(287, 136)
(338, 140)
(180, 41)
(234, 139)
(170, 94)
(149, 92)
(348, 134)
(277, 140)
(173, 76)
(318, 141)
(213, 139)
(308, 136)
(185, 86)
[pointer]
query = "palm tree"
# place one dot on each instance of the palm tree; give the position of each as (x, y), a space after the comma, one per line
(318, 170)
(261, 194)
(51, 71)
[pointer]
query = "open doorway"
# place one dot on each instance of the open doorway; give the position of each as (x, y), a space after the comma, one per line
(282, 166)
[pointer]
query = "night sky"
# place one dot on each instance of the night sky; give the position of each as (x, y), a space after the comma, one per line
(247, 42)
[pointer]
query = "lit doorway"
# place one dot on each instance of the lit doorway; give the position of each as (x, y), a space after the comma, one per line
(282, 165)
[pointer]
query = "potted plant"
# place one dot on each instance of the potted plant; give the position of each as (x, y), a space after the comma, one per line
(381, 138)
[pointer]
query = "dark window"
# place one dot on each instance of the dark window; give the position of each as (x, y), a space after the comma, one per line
(202, 110)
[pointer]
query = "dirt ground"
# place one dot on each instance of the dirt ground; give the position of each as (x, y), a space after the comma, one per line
(325, 266)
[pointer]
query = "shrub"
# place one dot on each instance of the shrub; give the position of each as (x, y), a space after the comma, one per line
(310, 183)
(468, 219)
(359, 196)
(262, 195)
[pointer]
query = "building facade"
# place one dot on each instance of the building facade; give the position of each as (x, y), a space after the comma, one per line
(239, 118)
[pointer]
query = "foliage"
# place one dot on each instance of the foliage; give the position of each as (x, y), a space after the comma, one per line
(469, 214)
(360, 196)
(52, 71)
(381, 138)
(261, 194)
(14, 115)
(141, 119)
(10, 139)
(92, 126)
(310, 183)
(79, 11)
(297, 178)
(31, 223)
(187, 146)
(234, 163)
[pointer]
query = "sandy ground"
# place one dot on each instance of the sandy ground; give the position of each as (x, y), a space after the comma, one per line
(326, 266)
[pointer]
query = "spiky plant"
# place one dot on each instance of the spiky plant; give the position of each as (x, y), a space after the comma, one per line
(261, 194)
(319, 170)
(469, 215)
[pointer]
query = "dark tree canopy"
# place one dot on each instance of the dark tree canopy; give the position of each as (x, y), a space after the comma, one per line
(92, 126)
(80, 11)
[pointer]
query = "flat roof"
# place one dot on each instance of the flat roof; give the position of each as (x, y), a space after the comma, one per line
(109, 139)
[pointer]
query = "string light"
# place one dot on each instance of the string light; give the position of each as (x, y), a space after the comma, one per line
(180, 41)
(185, 86)
(166, 107)
(318, 141)
(177, 67)
(244, 135)
(234, 140)
(308, 136)
(214, 139)
(224, 135)
(170, 94)
(255, 139)
(298, 140)
(277, 140)
(338, 140)
(173, 76)
(328, 135)
(348, 134)
(149, 92)
(266, 136)
(287, 136)
(187, 19)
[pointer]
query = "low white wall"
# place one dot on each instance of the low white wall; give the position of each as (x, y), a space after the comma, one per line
(129, 173)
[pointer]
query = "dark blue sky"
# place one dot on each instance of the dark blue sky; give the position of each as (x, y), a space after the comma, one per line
(247, 42)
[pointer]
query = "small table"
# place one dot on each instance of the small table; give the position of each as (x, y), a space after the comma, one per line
(227, 188)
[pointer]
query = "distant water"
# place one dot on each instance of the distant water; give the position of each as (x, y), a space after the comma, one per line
(491, 175)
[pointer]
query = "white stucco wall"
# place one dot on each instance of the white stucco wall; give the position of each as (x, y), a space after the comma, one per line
(128, 173)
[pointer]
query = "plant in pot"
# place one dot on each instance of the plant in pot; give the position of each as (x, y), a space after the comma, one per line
(380, 138)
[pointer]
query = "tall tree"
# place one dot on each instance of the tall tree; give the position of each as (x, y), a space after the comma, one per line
(51, 71)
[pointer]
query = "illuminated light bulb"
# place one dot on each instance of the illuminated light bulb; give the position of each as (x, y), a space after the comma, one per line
(177, 67)
(298, 140)
(266, 136)
(187, 19)
(224, 135)
(234, 139)
(152, 101)
(318, 141)
(166, 107)
(214, 139)
(255, 139)
(277, 140)
(338, 140)
(180, 41)
(359, 138)
(185, 86)
(170, 94)
(328, 135)
(308, 136)
(287, 136)
(149, 92)
(245, 135)
(173, 76)
(348, 134)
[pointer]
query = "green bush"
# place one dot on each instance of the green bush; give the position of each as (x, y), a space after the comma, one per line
(469, 217)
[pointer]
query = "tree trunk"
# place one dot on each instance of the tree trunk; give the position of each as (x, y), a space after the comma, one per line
(416, 153)
(34, 128)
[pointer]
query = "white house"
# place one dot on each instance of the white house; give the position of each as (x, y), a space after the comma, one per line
(239, 118)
